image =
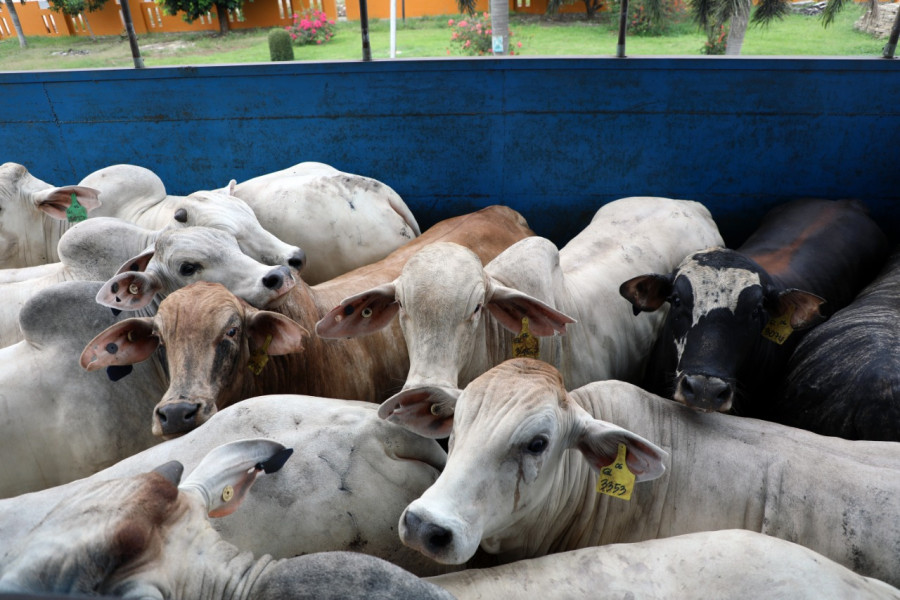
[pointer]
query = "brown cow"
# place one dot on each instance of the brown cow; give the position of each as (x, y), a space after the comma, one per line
(219, 336)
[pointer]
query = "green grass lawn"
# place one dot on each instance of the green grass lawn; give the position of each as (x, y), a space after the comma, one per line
(796, 35)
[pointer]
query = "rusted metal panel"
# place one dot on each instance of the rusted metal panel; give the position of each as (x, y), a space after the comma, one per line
(553, 138)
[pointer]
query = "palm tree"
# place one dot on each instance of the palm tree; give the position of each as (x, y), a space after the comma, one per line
(16, 24)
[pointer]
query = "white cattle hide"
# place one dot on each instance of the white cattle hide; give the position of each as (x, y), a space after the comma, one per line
(342, 221)
(733, 563)
(33, 216)
(517, 481)
(143, 537)
(350, 478)
(441, 293)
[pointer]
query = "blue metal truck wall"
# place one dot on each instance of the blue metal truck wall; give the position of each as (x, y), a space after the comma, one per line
(554, 138)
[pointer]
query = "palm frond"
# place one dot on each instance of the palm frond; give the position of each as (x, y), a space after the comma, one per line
(769, 10)
(466, 6)
(655, 10)
(701, 12)
(832, 8)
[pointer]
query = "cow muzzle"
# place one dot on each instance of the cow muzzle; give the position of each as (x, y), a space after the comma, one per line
(439, 539)
(173, 419)
(704, 393)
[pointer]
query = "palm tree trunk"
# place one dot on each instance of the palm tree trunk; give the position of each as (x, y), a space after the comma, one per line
(500, 24)
(132, 36)
(16, 24)
(739, 21)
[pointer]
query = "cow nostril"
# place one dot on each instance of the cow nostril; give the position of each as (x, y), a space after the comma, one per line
(273, 281)
(438, 537)
(687, 389)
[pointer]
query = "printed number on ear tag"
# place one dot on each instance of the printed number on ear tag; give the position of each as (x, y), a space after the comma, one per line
(76, 212)
(259, 357)
(778, 329)
(617, 480)
(526, 345)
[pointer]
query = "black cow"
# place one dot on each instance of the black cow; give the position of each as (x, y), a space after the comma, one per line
(736, 315)
(844, 377)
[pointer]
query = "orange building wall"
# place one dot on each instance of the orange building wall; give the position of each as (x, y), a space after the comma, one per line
(381, 9)
(148, 17)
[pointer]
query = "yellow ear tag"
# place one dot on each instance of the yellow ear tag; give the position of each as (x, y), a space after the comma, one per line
(259, 358)
(778, 329)
(616, 480)
(526, 345)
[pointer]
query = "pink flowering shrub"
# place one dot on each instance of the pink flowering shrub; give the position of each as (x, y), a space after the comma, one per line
(472, 36)
(310, 27)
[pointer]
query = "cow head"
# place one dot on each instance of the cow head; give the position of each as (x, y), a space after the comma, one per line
(213, 342)
(440, 298)
(515, 429)
(230, 214)
(142, 536)
(24, 203)
(720, 303)
(184, 256)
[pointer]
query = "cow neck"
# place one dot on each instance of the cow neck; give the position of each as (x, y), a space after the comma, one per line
(368, 368)
(53, 230)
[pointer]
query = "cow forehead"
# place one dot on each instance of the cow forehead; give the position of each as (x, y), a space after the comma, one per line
(439, 270)
(511, 392)
(200, 303)
(195, 241)
(715, 286)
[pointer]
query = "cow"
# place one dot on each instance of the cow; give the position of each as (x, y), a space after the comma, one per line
(844, 377)
(459, 318)
(733, 563)
(35, 216)
(344, 488)
(31, 207)
(356, 220)
(735, 316)
(370, 368)
(519, 483)
(146, 536)
(95, 249)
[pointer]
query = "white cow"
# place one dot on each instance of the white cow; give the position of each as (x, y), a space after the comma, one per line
(733, 563)
(519, 479)
(442, 291)
(351, 476)
(95, 249)
(146, 536)
(356, 220)
(33, 216)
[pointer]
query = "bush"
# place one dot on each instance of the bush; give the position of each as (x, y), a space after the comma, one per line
(280, 45)
(310, 27)
(716, 40)
(642, 21)
(472, 36)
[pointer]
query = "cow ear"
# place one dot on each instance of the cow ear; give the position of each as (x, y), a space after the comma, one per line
(125, 343)
(361, 314)
(510, 306)
(229, 189)
(284, 335)
(139, 262)
(129, 291)
(224, 476)
(805, 308)
(55, 201)
(599, 442)
(426, 411)
(647, 293)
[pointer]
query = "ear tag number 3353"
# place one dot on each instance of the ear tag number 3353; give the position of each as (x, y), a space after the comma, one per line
(616, 480)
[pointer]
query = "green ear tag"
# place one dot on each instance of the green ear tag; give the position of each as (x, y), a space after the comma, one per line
(525, 344)
(76, 212)
(260, 357)
(617, 480)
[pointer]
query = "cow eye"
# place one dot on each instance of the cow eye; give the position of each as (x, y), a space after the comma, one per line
(477, 309)
(231, 332)
(538, 444)
(188, 269)
(674, 300)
